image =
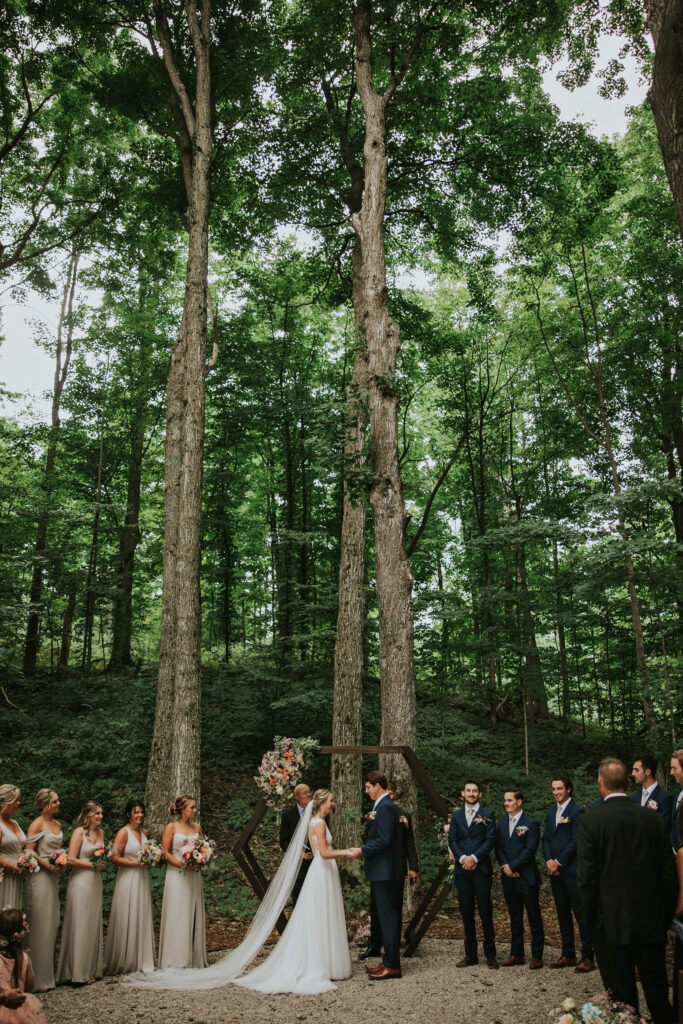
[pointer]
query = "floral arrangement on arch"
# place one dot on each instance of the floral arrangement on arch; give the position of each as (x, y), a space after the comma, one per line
(589, 1013)
(281, 769)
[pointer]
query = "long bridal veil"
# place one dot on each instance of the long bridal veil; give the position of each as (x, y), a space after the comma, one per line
(232, 965)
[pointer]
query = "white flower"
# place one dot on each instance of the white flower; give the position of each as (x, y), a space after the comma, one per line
(653, 805)
(568, 1004)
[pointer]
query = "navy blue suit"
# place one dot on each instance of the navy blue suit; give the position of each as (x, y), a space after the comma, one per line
(474, 886)
(673, 833)
(559, 843)
(385, 871)
(519, 853)
(659, 800)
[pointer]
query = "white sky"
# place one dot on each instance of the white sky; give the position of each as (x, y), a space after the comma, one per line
(27, 369)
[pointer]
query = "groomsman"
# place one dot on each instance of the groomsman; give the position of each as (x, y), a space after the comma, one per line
(627, 887)
(676, 772)
(288, 825)
(651, 794)
(560, 837)
(517, 838)
(471, 838)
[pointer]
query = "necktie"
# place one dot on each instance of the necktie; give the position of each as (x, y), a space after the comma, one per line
(644, 798)
(469, 812)
(512, 826)
(558, 815)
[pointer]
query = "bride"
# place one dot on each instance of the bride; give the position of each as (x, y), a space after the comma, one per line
(313, 949)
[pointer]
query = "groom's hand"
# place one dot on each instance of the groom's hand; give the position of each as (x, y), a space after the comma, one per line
(355, 852)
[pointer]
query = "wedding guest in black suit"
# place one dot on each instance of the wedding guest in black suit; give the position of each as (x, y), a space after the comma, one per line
(677, 923)
(676, 772)
(560, 837)
(288, 825)
(651, 794)
(411, 870)
(517, 838)
(471, 838)
(627, 888)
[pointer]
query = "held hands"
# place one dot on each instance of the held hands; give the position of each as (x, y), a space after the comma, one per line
(307, 856)
(510, 874)
(355, 853)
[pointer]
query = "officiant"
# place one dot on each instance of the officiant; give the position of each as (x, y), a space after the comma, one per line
(288, 825)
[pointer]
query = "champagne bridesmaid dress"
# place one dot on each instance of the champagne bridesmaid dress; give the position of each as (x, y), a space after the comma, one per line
(182, 937)
(42, 910)
(80, 956)
(130, 935)
(12, 886)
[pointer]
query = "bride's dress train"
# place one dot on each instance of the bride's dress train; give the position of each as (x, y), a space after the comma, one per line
(313, 949)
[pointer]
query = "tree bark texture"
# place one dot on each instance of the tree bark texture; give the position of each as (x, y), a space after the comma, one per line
(129, 538)
(174, 759)
(665, 21)
(394, 577)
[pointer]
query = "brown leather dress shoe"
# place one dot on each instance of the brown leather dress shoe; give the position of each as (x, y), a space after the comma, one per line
(385, 972)
(565, 961)
(492, 963)
(535, 964)
(512, 961)
(467, 962)
(585, 966)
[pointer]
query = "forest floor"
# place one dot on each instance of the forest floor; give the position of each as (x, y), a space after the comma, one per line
(431, 990)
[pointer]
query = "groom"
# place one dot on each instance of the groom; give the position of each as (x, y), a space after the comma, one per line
(384, 870)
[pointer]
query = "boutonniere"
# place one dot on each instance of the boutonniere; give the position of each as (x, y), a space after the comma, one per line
(564, 821)
(403, 820)
(521, 830)
(372, 815)
(653, 805)
(482, 821)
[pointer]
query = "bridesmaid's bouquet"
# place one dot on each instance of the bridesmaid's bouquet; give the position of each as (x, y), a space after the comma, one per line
(196, 853)
(59, 860)
(281, 769)
(27, 862)
(2, 873)
(99, 857)
(151, 854)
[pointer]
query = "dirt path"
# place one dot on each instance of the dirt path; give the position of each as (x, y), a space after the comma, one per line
(431, 991)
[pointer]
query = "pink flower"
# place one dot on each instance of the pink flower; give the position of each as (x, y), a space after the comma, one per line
(566, 1018)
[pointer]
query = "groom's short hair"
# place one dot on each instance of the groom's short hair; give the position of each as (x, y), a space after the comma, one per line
(613, 773)
(377, 779)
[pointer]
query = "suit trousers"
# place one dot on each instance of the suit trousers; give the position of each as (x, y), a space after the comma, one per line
(474, 887)
(520, 894)
(388, 896)
(566, 896)
(617, 969)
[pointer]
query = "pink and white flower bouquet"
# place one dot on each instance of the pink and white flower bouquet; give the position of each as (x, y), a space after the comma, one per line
(59, 860)
(281, 769)
(151, 854)
(196, 853)
(589, 1013)
(27, 862)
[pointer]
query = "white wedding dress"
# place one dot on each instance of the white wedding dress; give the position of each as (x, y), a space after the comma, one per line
(313, 949)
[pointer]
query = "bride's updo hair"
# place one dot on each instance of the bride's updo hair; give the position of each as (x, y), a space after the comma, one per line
(180, 802)
(44, 798)
(319, 798)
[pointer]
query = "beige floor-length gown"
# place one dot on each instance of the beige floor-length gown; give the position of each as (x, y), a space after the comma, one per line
(42, 910)
(80, 956)
(130, 935)
(182, 936)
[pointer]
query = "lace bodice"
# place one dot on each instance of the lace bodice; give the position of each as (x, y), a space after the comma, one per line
(313, 839)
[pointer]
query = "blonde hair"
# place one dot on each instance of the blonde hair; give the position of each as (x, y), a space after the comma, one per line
(87, 811)
(44, 798)
(319, 798)
(678, 754)
(179, 804)
(8, 794)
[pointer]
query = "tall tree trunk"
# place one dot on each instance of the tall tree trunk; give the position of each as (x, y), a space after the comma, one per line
(129, 538)
(174, 758)
(394, 578)
(67, 626)
(62, 359)
(665, 21)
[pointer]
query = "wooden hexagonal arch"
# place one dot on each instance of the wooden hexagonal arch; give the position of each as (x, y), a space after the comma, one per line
(436, 892)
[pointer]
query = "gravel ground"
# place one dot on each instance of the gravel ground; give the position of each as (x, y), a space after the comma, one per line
(431, 991)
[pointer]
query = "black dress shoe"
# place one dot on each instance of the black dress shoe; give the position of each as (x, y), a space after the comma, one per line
(367, 953)
(467, 961)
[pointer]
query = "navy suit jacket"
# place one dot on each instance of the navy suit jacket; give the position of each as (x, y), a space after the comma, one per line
(663, 800)
(519, 851)
(479, 839)
(560, 841)
(383, 848)
(673, 834)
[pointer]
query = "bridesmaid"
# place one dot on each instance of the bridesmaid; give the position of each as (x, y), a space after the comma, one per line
(12, 840)
(42, 889)
(80, 957)
(182, 940)
(130, 935)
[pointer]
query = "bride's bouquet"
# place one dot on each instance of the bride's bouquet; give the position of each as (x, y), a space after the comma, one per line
(196, 853)
(27, 862)
(281, 769)
(151, 854)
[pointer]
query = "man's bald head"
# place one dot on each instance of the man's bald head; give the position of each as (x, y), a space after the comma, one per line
(613, 775)
(302, 794)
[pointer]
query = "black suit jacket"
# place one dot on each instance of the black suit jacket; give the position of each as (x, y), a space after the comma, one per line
(289, 822)
(626, 874)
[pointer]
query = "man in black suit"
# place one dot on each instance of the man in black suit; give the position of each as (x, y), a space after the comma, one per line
(627, 888)
(650, 794)
(411, 864)
(289, 822)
